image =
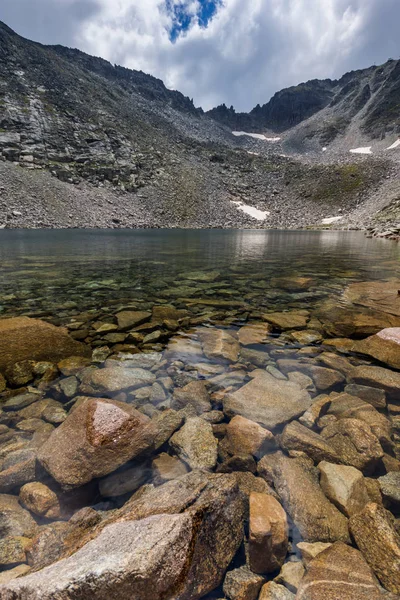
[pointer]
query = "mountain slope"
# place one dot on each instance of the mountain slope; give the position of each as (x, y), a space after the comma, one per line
(128, 152)
(325, 110)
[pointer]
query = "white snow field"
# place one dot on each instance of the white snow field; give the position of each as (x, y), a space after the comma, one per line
(365, 150)
(395, 145)
(260, 215)
(330, 220)
(256, 136)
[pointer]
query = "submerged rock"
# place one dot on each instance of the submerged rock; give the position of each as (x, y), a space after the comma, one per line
(339, 572)
(218, 343)
(242, 584)
(375, 535)
(345, 487)
(97, 437)
(114, 379)
(247, 437)
(196, 444)
(268, 534)
(22, 338)
(296, 482)
(267, 401)
(384, 346)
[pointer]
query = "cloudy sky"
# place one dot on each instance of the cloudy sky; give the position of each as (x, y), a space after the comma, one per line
(235, 51)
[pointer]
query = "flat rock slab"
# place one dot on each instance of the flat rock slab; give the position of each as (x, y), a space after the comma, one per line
(268, 401)
(114, 379)
(254, 333)
(97, 437)
(377, 295)
(287, 320)
(384, 346)
(219, 344)
(22, 338)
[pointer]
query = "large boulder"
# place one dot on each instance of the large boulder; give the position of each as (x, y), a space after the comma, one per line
(374, 532)
(98, 436)
(267, 401)
(384, 346)
(22, 338)
(147, 550)
(296, 481)
(339, 572)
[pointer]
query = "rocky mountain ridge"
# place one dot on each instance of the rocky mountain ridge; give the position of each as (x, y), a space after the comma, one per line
(128, 152)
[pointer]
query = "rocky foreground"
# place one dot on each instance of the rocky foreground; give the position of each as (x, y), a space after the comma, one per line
(174, 456)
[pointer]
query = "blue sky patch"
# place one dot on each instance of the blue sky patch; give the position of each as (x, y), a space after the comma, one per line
(183, 19)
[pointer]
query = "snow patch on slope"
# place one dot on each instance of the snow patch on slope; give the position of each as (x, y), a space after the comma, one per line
(365, 150)
(395, 145)
(330, 220)
(260, 215)
(256, 136)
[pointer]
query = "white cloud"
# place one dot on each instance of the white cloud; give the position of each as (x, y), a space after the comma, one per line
(249, 50)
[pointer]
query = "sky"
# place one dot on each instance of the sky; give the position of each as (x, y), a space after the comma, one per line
(237, 52)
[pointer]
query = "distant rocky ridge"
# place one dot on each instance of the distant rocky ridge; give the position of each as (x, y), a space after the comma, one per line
(127, 152)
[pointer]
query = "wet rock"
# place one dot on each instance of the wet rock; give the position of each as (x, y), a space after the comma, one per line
(242, 584)
(377, 295)
(20, 401)
(310, 551)
(12, 550)
(22, 338)
(267, 401)
(345, 487)
(193, 394)
(123, 482)
(306, 337)
(219, 344)
(257, 358)
(148, 560)
(245, 463)
(274, 591)
(20, 373)
(254, 333)
(323, 378)
(40, 500)
(317, 410)
(36, 409)
(384, 346)
(131, 318)
(11, 574)
(390, 488)
(297, 437)
(166, 467)
(305, 382)
(247, 437)
(345, 406)
(378, 377)
(268, 534)
(54, 415)
(73, 365)
(165, 424)
(17, 469)
(14, 520)
(3, 384)
(375, 535)
(195, 444)
(96, 438)
(168, 312)
(339, 572)
(114, 379)
(355, 443)
(336, 362)
(248, 483)
(296, 482)
(287, 320)
(373, 396)
(69, 386)
(291, 575)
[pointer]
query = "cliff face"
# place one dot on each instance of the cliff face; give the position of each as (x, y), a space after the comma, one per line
(368, 97)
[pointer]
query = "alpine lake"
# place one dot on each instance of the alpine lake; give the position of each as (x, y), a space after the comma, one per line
(199, 414)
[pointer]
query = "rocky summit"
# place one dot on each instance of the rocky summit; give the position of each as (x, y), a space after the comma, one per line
(84, 143)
